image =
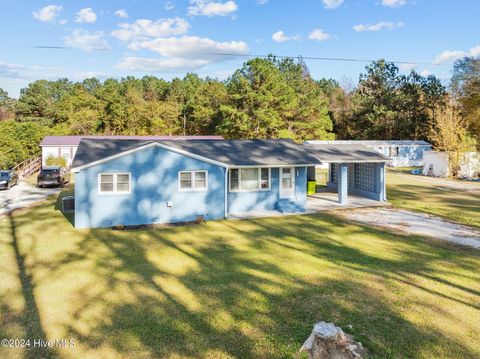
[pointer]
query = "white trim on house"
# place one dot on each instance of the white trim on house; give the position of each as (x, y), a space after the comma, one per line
(114, 183)
(259, 189)
(353, 161)
(276, 166)
(133, 150)
(58, 145)
(225, 200)
(193, 174)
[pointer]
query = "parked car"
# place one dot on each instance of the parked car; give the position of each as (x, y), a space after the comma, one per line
(53, 176)
(8, 179)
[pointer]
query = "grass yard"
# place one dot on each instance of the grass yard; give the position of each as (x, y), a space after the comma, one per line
(244, 289)
(418, 194)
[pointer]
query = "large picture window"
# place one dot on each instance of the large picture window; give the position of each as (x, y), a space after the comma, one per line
(249, 179)
(114, 183)
(192, 180)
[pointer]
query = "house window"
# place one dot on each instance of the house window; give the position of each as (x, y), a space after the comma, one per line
(65, 152)
(249, 179)
(393, 151)
(192, 180)
(114, 183)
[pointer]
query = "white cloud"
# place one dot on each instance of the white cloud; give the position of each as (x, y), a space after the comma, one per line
(169, 5)
(82, 75)
(211, 8)
(181, 53)
(86, 15)
(378, 26)
(87, 41)
(16, 71)
(280, 36)
(425, 73)
(62, 22)
(332, 4)
(393, 3)
(121, 14)
(144, 29)
(160, 64)
(48, 13)
(191, 47)
(262, 2)
(10, 70)
(407, 67)
(449, 55)
(319, 35)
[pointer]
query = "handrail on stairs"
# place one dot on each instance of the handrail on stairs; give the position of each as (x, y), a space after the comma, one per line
(29, 166)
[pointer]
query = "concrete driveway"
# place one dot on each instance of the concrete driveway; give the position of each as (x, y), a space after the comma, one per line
(23, 195)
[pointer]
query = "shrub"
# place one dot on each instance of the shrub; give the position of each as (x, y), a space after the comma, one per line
(56, 161)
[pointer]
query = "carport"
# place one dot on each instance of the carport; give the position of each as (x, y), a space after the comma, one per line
(353, 169)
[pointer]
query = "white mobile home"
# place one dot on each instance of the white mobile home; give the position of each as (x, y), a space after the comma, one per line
(403, 153)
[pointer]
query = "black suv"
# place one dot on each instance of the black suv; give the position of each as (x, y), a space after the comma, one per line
(53, 176)
(8, 179)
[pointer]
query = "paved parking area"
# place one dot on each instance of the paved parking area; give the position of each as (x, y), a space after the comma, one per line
(23, 195)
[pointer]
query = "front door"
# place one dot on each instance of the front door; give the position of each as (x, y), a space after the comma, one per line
(287, 182)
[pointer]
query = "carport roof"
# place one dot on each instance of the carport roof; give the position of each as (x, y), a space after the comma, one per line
(345, 153)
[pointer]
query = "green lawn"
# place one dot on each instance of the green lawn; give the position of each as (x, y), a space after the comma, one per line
(419, 194)
(244, 289)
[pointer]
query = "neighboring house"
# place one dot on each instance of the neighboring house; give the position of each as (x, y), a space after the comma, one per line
(437, 164)
(66, 146)
(403, 153)
(135, 182)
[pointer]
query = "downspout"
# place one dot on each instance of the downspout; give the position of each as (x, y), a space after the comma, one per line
(384, 181)
(225, 205)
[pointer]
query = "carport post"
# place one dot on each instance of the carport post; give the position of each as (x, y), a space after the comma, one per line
(342, 183)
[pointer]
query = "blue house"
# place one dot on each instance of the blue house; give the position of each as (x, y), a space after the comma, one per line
(136, 182)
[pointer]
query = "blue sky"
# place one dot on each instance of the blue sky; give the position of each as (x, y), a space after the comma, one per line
(170, 38)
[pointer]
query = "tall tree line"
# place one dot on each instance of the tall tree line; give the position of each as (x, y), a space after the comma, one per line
(265, 98)
(385, 104)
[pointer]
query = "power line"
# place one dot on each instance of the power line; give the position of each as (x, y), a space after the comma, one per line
(344, 59)
(341, 59)
(61, 47)
(50, 47)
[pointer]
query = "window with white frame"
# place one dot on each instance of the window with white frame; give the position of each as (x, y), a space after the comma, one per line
(192, 180)
(114, 182)
(65, 152)
(393, 151)
(249, 179)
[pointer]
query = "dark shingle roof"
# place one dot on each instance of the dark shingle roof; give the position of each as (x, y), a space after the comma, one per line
(228, 152)
(333, 153)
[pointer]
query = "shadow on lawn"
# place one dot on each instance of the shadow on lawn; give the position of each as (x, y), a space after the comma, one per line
(30, 317)
(70, 217)
(456, 204)
(230, 302)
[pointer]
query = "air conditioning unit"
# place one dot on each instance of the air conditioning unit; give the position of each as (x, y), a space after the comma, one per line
(68, 204)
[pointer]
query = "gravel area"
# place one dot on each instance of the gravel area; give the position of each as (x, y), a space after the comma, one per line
(416, 223)
(23, 195)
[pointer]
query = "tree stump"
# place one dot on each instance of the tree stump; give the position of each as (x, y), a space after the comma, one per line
(328, 341)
